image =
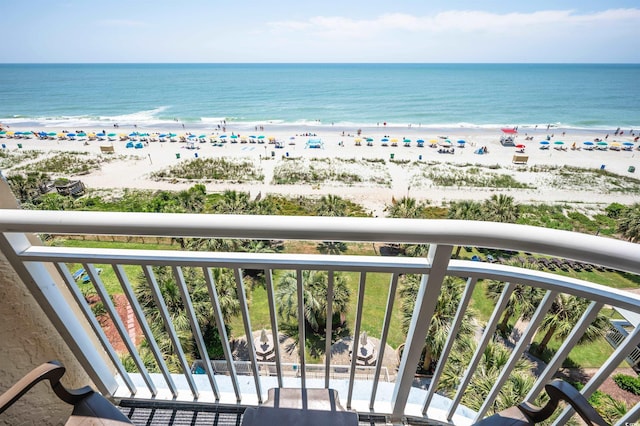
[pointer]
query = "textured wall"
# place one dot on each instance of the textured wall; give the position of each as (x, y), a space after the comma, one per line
(28, 339)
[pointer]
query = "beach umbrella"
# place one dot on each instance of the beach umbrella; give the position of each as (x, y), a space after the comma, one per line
(446, 142)
(602, 143)
(42, 134)
(252, 137)
(616, 144)
(82, 134)
(234, 136)
(558, 143)
(520, 146)
(101, 134)
(544, 142)
(202, 136)
(627, 143)
(223, 136)
(369, 139)
(52, 134)
(462, 141)
(384, 140)
(261, 137)
(405, 140)
(420, 141)
(112, 134)
(71, 135)
(162, 135)
(587, 143)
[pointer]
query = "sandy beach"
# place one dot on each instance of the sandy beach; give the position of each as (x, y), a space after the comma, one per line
(404, 171)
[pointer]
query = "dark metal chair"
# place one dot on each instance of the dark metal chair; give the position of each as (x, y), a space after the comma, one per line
(89, 408)
(526, 414)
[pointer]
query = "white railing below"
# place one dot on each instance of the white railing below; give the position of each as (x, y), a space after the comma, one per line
(377, 392)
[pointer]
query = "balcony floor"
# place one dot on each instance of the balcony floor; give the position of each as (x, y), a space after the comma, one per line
(165, 414)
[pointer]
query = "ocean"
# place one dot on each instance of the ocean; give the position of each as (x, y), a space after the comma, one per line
(580, 96)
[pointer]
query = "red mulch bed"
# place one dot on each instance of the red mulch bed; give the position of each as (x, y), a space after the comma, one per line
(135, 333)
(609, 387)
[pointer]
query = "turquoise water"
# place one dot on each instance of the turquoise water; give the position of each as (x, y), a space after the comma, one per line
(437, 95)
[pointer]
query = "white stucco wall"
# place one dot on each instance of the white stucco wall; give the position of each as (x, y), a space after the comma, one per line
(27, 339)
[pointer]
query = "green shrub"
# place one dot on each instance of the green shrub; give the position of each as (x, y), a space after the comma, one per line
(628, 383)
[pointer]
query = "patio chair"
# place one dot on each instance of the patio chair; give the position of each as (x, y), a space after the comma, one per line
(89, 407)
(526, 414)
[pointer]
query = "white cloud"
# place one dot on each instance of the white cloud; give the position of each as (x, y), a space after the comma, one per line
(464, 35)
(455, 21)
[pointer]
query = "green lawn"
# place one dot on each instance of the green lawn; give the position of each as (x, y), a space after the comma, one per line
(375, 298)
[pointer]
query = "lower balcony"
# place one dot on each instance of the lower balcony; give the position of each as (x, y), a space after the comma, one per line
(185, 324)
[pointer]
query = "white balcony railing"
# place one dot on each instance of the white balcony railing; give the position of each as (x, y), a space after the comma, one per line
(41, 267)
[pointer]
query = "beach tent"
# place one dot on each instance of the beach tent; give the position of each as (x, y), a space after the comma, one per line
(314, 143)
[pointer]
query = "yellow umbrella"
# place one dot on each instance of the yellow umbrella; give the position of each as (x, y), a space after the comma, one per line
(615, 144)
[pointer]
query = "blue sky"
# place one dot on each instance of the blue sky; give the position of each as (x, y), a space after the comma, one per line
(323, 31)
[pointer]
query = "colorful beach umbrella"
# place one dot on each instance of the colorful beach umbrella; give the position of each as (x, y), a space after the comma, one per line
(558, 143)
(420, 141)
(602, 143)
(520, 146)
(461, 141)
(627, 143)
(588, 143)
(544, 142)
(384, 140)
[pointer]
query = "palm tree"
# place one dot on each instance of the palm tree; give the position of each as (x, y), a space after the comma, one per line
(494, 358)
(315, 297)
(629, 223)
(331, 205)
(193, 199)
(406, 207)
(234, 202)
(500, 208)
(565, 311)
(524, 300)
(442, 319)
(229, 306)
(415, 250)
(465, 210)
(332, 247)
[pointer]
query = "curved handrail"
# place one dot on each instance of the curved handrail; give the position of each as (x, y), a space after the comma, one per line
(608, 252)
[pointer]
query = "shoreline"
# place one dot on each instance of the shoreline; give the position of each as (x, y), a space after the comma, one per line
(404, 167)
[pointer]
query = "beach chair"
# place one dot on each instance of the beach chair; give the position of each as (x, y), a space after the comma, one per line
(526, 414)
(89, 407)
(77, 274)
